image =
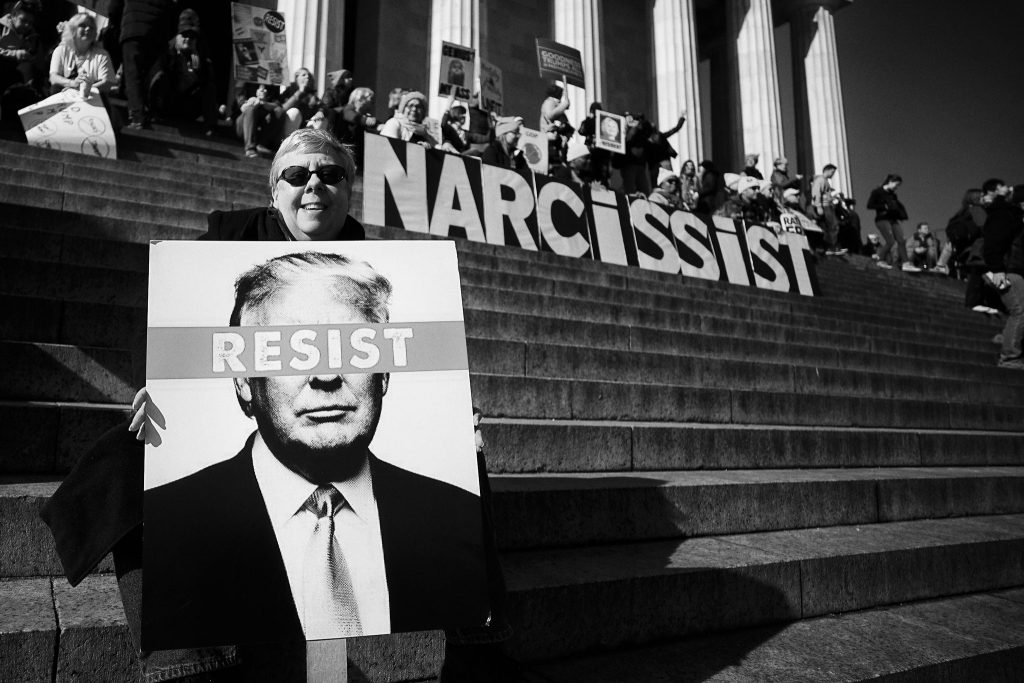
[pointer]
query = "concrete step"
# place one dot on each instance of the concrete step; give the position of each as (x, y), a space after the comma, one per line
(539, 398)
(567, 382)
(147, 196)
(51, 631)
(737, 322)
(567, 446)
(773, 343)
(50, 323)
(161, 162)
(138, 178)
(681, 368)
(55, 280)
(59, 372)
(964, 638)
(52, 220)
(51, 436)
(634, 279)
(575, 509)
(570, 601)
(530, 289)
(83, 202)
(55, 434)
(38, 319)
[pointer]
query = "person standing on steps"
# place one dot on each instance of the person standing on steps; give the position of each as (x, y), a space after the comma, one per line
(1003, 252)
(889, 212)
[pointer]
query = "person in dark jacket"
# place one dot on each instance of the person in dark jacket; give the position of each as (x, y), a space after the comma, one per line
(145, 27)
(889, 212)
(1003, 253)
(502, 151)
(183, 85)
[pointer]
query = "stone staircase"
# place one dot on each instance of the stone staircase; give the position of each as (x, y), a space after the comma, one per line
(693, 480)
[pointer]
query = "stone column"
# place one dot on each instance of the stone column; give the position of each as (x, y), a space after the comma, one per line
(675, 60)
(455, 21)
(750, 54)
(315, 31)
(820, 117)
(578, 25)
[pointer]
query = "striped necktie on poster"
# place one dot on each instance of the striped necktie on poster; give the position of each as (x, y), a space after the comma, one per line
(329, 603)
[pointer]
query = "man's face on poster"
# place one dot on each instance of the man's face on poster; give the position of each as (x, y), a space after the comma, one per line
(317, 425)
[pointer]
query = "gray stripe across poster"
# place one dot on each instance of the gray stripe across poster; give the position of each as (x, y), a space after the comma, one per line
(206, 352)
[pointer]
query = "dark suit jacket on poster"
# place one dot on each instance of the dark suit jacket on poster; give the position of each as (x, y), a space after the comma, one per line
(214, 574)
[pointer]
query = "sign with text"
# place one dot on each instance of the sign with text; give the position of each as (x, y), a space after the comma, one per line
(555, 60)
(492, 88)
(534, 146)
(611, 131)
(260, 45)
(407, 186)
(457, 66)
(314, 474)
(67, 122)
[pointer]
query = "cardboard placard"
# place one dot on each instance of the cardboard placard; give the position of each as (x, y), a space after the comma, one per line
(492, 89)
(555, 60)
(457, 66)
(610, 131)
(534, 146)
(69, 123)
(344, 363)
(260, 45)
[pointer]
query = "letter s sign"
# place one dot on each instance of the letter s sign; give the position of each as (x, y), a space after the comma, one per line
(274, 21)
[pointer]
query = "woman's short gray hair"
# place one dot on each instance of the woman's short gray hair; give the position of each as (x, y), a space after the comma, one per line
(312, 141)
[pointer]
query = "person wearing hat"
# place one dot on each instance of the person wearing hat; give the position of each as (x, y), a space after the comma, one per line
(502, 150)
(750, 169)
(781, 180)
(741, 203)
(667, 192)
(407, 123)
(183, 86)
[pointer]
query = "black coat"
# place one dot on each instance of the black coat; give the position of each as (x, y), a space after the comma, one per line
(262, 225)
(214, 573)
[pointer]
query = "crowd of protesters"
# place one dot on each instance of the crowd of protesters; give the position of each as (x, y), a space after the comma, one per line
(155, 56)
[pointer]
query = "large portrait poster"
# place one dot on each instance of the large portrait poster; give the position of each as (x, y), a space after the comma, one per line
(70, 123)
(611, 132)
(260, 46)
(316, 472)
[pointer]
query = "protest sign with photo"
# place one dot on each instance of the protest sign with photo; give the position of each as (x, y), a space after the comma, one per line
(407, 186)
(611, 131)
(555, 60)
(260, 46)
(534, 146)
(308, 391)
(492, 89)
(457, 69)
(67, 122)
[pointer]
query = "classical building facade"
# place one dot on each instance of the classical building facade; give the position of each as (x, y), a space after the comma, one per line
(639, 55)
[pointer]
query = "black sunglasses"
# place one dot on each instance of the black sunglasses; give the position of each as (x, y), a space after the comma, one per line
(297, 176)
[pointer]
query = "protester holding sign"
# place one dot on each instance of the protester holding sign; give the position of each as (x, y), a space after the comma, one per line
(78, 62)
(98, 507)
(554, 122)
